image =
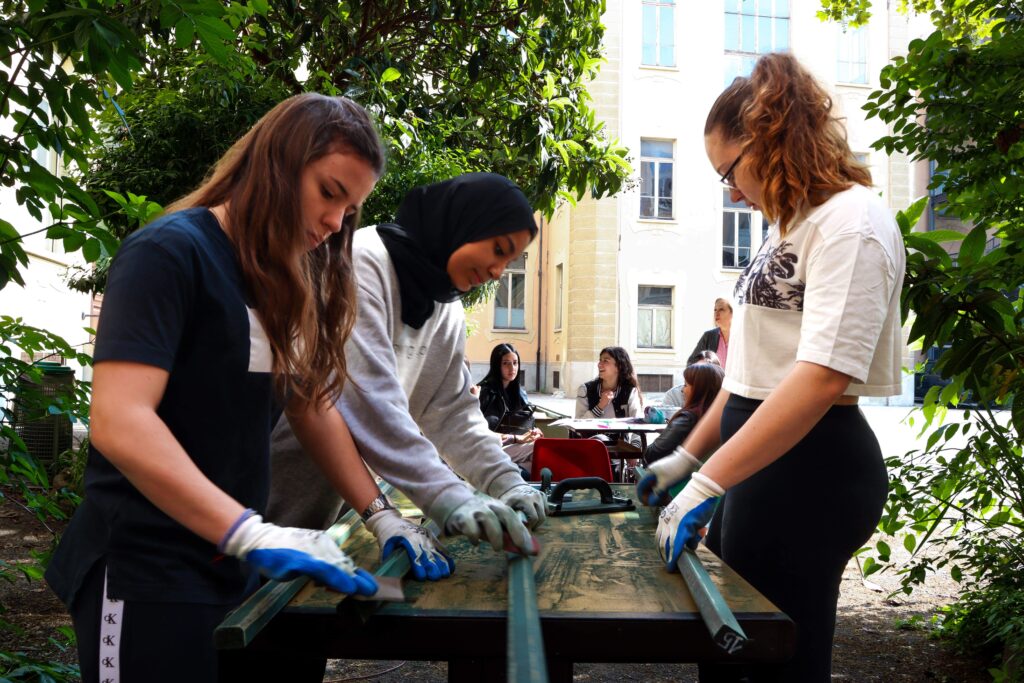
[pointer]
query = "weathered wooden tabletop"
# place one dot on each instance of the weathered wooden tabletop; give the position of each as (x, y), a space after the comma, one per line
(602, 591)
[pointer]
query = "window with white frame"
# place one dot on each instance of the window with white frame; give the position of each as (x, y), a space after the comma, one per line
(559, 288)
(654, 317)
(656, 179)
(852, 54)
(737, 237)
(659, 42)
(510, 301)
(753, 28)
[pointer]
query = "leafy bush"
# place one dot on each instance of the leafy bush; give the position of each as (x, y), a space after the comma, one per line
(958, 503)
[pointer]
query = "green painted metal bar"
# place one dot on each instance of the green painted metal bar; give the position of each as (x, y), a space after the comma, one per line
(525, 644)
(397, 565)
(240, 627)
(721, 622)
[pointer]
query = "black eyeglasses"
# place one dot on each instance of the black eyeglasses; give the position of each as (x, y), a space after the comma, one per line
(727, 178)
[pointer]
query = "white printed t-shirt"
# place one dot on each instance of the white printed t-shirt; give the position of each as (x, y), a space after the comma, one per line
(828, 293)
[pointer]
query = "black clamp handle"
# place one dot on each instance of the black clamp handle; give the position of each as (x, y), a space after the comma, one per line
(582, 483)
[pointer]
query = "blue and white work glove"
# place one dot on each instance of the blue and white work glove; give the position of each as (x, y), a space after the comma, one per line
(665, 473)
(483, 517)
(527, 500)
(286, 552)
(429, 559)
(681, 521)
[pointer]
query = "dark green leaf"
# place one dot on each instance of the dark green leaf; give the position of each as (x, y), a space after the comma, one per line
(91, 250)
(973, 246)
(941, 235)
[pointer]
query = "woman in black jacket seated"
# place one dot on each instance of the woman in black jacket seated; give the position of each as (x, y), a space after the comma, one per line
(703, 380)
(502, 397)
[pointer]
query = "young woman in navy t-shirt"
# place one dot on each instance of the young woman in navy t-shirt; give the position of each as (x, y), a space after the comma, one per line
(241, 294)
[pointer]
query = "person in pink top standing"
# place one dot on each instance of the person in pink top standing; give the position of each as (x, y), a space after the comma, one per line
(717, 338)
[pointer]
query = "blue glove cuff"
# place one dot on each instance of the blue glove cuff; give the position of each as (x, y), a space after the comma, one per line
(249, 512)
(687, 534)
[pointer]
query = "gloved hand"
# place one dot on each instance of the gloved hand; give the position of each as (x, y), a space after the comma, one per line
(689, 512)
(284, 553)
(429, 559)
(529, 501)
(483, 516)
(665, 473)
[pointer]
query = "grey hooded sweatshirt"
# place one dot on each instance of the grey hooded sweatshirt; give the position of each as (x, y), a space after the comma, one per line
(407, 404)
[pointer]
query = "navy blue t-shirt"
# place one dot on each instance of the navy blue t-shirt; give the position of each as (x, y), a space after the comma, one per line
(176, 300)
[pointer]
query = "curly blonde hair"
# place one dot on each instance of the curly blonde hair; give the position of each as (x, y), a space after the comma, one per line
(789, 139)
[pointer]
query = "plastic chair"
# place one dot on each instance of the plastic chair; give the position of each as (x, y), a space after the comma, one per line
(568, 458)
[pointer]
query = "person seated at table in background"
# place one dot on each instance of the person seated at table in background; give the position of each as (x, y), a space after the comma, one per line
(717, 338)
(614, 393)
(674, 398)
(616, 385)
(703, 380)
(407, 401)
(501, 395)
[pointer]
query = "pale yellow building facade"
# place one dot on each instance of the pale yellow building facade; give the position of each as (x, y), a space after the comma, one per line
(642, 269)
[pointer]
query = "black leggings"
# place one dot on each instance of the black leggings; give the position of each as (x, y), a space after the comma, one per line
(791, 528)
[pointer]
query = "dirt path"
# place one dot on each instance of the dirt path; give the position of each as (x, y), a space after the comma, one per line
(876, 639)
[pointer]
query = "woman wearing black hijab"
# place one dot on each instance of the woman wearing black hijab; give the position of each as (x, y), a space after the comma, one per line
(407, 400)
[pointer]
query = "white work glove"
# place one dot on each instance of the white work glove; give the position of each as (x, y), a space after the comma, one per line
(429, 559)
(665, 473)
(285, 553)
(680, 522)
(527, 500)
(484, 517)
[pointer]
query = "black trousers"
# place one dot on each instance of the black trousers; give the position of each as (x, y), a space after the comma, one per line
(168, 642)
(791, 528)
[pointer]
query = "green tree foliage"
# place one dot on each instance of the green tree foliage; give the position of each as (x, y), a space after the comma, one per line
(957, 100)
(162, 138)
(485, 85)
(454, 87)
(501, 83)
(59, 66)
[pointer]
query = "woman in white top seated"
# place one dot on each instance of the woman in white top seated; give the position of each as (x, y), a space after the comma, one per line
(615, 392)
(796, 471)
(616, 387)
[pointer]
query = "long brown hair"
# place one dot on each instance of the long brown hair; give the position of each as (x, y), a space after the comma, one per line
(627, 375)
(704, 379)
(304, 299)
(788, 137)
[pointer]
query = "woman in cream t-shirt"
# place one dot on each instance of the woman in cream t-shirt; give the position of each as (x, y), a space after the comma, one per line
(797, 483)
